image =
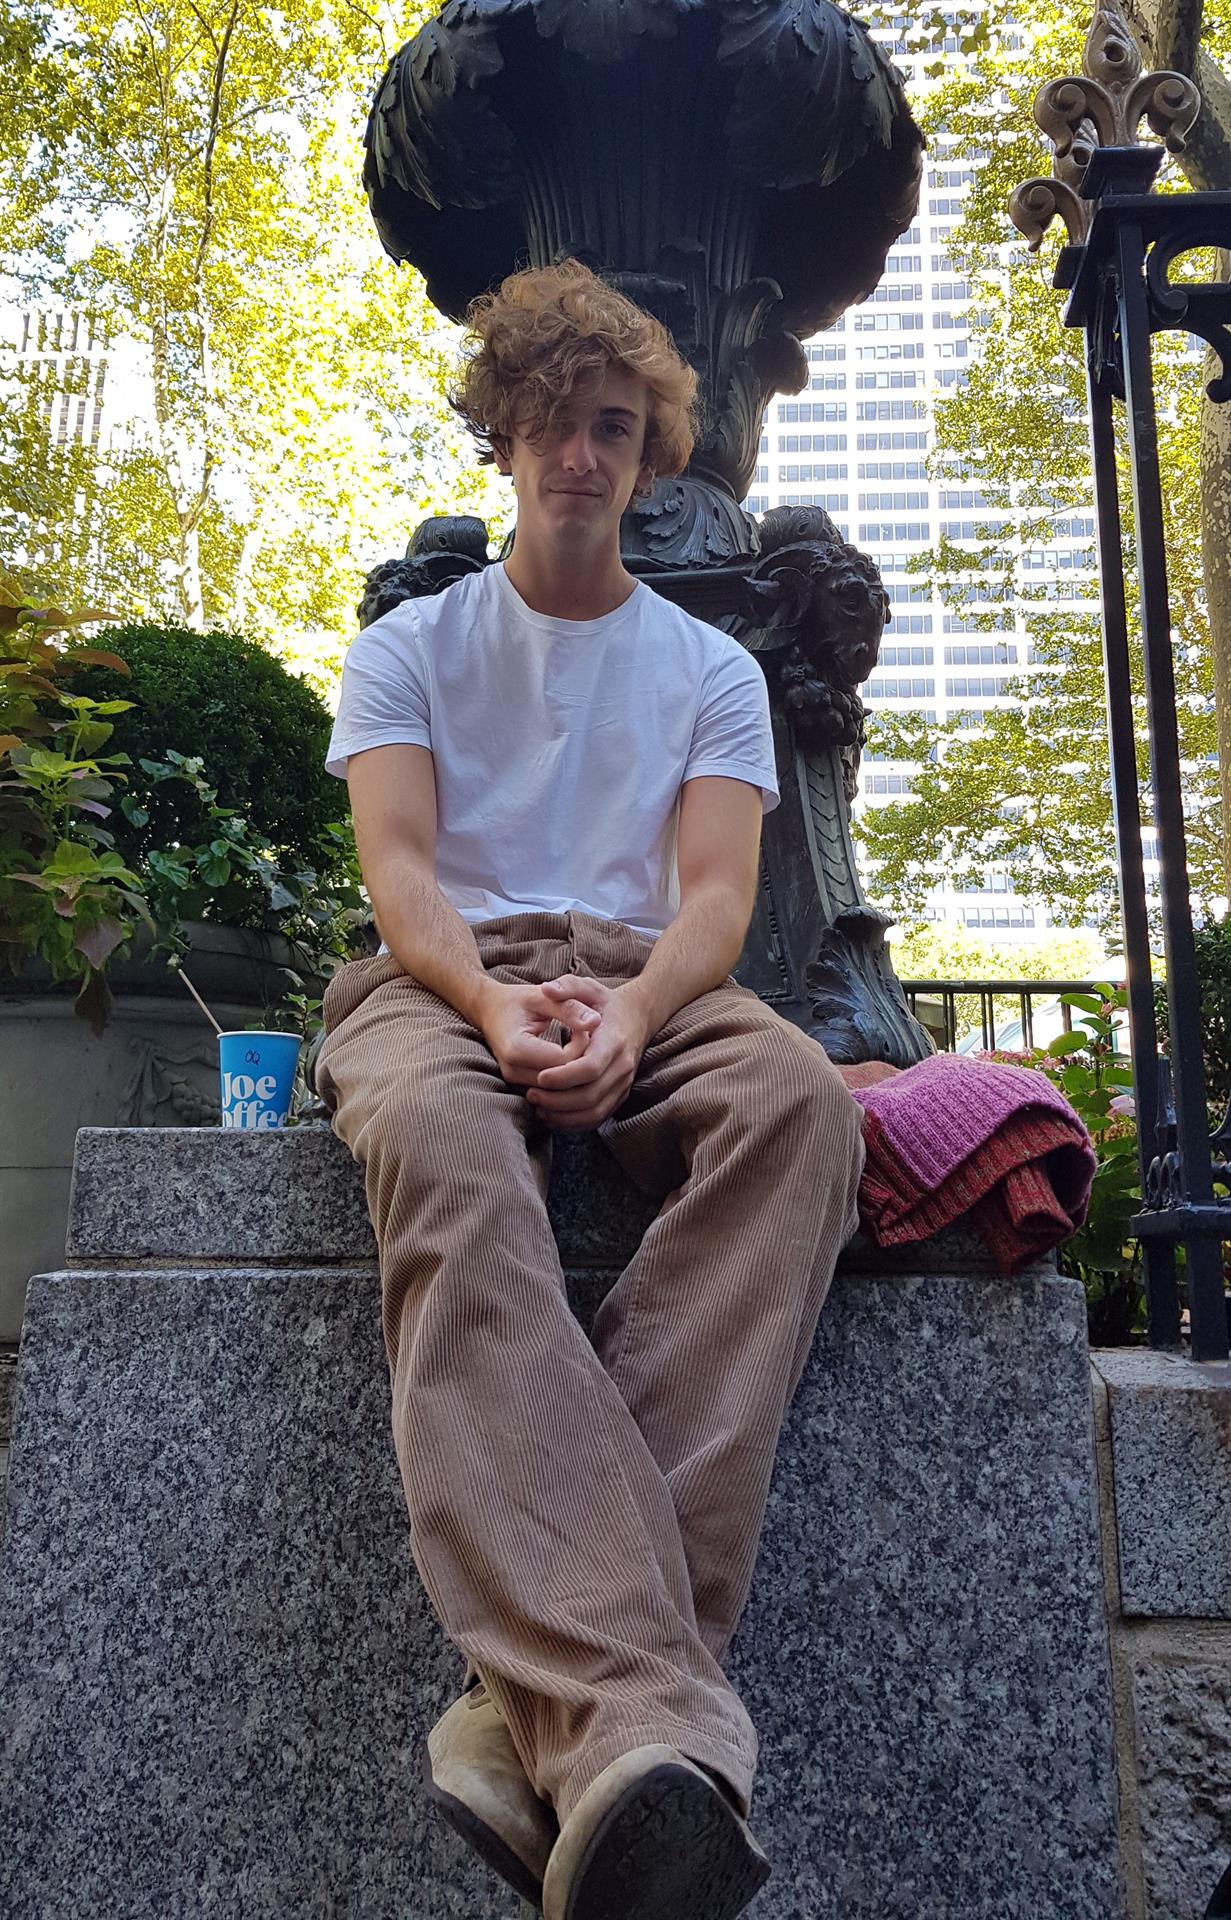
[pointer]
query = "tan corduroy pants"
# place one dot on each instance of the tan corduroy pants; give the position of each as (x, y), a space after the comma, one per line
(585, 1517)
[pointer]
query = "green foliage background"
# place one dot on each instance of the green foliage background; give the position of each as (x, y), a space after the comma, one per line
(188, 172)
(260, 731)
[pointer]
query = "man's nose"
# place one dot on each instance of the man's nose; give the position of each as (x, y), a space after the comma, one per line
(577, 452)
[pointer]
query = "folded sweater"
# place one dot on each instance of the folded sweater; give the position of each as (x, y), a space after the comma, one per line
(955, 1137)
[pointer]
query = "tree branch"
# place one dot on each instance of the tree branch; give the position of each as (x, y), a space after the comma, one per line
(215, 116)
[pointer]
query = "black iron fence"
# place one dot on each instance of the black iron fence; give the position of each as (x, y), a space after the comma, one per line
(1124, 241)
(1011, 1016)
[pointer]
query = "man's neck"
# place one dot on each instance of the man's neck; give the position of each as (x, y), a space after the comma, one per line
(563, 587)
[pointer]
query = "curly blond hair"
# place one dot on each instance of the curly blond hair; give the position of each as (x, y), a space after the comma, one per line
(545, 340)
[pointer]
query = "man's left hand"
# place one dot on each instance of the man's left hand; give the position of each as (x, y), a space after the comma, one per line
(582, 1094)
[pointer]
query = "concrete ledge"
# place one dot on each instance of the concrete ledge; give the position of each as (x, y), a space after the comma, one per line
(202, 1193)
(1170, 1427)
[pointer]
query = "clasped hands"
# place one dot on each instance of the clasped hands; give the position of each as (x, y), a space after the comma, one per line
(577, 1085)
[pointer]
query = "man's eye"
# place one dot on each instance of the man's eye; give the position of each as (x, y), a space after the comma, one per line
(616, 426)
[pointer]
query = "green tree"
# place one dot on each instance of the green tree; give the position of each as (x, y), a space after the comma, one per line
(1028, 788)
(289, 427)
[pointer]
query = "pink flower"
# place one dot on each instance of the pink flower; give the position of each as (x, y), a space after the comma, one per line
(1123, 1103)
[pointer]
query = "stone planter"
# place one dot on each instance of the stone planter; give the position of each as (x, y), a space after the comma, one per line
(156, 1065)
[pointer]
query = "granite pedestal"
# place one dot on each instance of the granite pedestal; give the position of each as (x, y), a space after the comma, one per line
(218, 1665)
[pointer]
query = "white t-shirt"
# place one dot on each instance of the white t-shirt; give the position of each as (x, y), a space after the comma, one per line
(560, 746)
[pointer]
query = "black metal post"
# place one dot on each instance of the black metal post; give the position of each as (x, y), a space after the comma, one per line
(1162, 1299)
(1207, 1313)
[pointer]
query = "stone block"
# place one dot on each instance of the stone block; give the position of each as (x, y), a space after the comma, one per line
(218, 1666)
(202, 1193)
(205, 1193)
(1170, 1422)
(1182, 1711)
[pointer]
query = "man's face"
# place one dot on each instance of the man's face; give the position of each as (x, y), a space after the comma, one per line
(572, 489)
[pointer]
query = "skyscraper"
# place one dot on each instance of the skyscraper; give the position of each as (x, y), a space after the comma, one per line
(856, 442)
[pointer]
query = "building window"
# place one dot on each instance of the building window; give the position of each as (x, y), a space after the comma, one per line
(793, 411)
(902, 502)
(814, 470)
(892, 469)
(812, 443)
(984, 530)
(907, 656)
(890, 409)
(988, 687)
(888, 323)
(870, 442)
(992, 653)
(882, 530)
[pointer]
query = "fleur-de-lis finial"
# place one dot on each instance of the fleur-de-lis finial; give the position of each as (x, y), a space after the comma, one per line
(1101, 107)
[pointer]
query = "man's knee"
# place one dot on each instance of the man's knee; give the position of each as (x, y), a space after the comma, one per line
(800, 1093)
(437, 1121)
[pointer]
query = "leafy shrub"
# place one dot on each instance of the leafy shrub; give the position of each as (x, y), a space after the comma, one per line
(94, 844)
(232, 877)
(256, 730)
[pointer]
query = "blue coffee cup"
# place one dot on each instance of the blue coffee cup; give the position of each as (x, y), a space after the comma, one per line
(258, 1078)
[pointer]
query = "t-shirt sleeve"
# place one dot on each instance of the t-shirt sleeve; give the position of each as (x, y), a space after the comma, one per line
(385, 700)
(733, 735)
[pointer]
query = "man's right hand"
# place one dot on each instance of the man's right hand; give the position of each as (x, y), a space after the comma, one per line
(513, 1020)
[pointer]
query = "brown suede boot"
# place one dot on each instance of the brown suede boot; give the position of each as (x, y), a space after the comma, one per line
(653, 1838)
(476, 1780)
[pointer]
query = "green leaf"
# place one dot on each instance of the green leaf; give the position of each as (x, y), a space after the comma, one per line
(1067, 1043)
(168, 867)
(99, 941)
(71, 858)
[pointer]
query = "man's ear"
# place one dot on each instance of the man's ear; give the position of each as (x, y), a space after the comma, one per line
(500, 454)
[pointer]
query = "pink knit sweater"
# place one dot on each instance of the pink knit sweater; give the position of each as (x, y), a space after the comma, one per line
(953, 1137)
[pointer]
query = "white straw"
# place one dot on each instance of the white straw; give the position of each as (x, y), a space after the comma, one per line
(196, 996)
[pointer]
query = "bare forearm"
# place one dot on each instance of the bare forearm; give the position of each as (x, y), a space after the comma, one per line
(428, 937)
(693, 955)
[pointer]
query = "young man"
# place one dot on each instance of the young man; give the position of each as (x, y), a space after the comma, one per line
(558, 780)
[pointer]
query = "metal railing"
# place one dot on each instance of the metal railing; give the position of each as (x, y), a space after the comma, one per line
(997, 1004)
(1123, 241)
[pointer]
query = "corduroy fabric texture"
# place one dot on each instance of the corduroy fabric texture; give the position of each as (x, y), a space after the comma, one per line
(585, 1513)
(953, 1137)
